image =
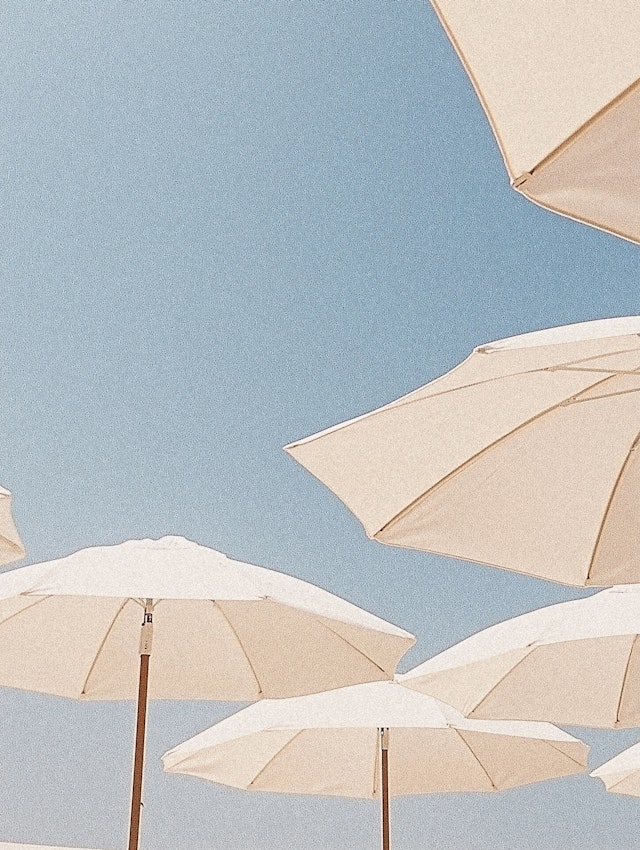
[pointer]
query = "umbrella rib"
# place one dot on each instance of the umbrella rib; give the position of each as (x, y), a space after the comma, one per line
(217, 605)
(624, 678)
(609, 504)
(470, 460)
(468, 746)
(501, 679)
(355, 648)
(558, 750)
(562, 147)
(274, 757)
(38, 601)
(102, 643)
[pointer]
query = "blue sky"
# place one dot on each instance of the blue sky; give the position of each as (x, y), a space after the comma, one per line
(228, 224)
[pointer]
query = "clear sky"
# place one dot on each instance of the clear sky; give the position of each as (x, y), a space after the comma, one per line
(227, 224)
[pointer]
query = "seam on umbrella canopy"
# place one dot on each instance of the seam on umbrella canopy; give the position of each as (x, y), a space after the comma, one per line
(458, 732)
(617, 721)
(612, 495)
(101, 647)
(570, 140)
(356, 648)
(486, 696)
(566, 755)
(580, 219)
(38, 601)
(216, 604)
(575, 400)
(272, 759)
(470, 460)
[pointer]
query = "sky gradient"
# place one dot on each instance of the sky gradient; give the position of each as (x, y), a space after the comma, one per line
(228, 224)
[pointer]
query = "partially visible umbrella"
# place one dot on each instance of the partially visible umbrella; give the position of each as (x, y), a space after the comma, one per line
(11, 548)
(575, 663)
(560, 83)
(523, 457)
(224, 630)
(11, 846)
(373, 740)
(621, 774)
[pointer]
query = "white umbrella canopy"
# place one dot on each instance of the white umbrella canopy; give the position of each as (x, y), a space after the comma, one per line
(223, 629)
(83, 626)
(563, 101)
(522, 457)
(621, 774)
(330, 744)
(575, 663)
(11, 548)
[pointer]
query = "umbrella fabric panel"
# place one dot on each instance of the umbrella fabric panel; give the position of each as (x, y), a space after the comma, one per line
(596, 178)
(621, 774)
(541, 74)
(549, 484)
(236, 650)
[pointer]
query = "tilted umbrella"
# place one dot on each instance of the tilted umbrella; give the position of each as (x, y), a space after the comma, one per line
(575, 663)
(222, 630)
(621, 774)
(522, 457)
(560, 84)
(11, 548)
(372, 741)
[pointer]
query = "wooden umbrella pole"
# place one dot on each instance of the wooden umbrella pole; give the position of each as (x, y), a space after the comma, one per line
(146, 635)
(384, 746)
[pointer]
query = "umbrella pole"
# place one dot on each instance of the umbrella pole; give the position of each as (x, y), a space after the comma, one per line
(384, 747)
(146, 634)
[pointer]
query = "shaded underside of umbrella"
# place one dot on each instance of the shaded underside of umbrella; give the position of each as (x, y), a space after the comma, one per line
(621, 774)
(561, 90)
(222, 629)
(372, 741)
(523, 457)
(576, 663)
(11, 548)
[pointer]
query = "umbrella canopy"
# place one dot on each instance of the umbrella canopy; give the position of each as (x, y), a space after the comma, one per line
(563, 101)
(576, 663)
(330, 743)
(82, 626)
(11, 548)
(223, 629)
(522, 457)
(621, 774)
(12, 846)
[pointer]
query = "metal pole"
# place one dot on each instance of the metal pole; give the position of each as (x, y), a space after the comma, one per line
(384, 747)
(146, 636)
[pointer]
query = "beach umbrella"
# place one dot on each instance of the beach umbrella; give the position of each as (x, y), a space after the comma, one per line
(621, 774)
(221, 630)
(522, 457)
(373, 741)
(575, 663)
(11, 548)
(560, 84)
(12, 846)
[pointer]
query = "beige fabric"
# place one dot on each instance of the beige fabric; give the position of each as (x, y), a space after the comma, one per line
(621, 774)
(11, 548)
(576, 663)
(222, 629)
(543, 74)
(522, 457)
(329, 744)
(11, 846)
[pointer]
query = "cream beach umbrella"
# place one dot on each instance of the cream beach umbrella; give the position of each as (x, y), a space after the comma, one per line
(522, 457)
(575, 663)
(621, 774)
(372, 741)
(560, 84)
(11, 548)
(222, 630)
